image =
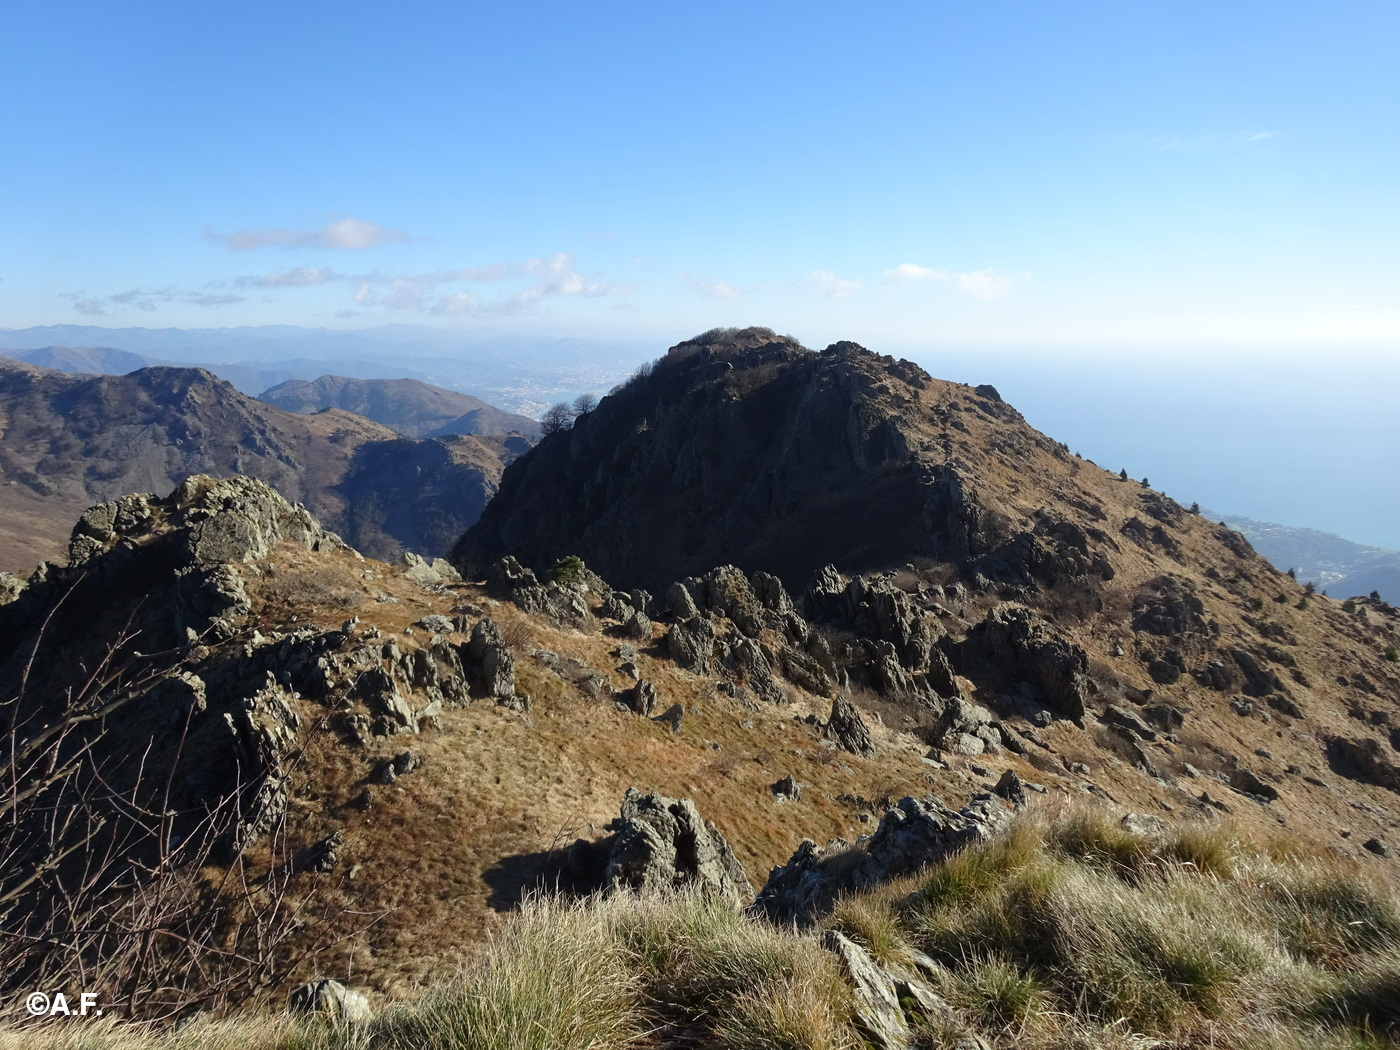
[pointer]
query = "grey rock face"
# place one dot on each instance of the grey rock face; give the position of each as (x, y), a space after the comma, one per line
(846, 727)
(680, 604)
(489, 664)
(1012, 788)
(914, 833)
(691, 643)
(663, 843)
(877, 1012)
(788, 788)
(263, 730)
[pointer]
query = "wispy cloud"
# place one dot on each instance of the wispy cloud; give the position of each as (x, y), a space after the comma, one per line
(1198, 143)
(149, 300)
(348, 233)
(439, 293)
(300, 277)
(979, 284)
(829, 284)
(710, 289)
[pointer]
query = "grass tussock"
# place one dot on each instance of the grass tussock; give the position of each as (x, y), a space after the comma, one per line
(1064, 933)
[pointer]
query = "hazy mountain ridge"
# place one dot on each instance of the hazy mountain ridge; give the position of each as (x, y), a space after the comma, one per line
(410, 407)
(518, 373)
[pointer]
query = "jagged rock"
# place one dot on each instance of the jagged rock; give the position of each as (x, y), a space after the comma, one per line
(564, 602)
(331, 998)
(1169, 607)
(1012, 788)
(680, 604)
(507, 576)
(1378, 847)
(263, 730)
(914, 833)
(489, 664)
(321, 857)
(389, 712)
(1363, 760)
(11, 586)
(1259, 680)
(1058, 667)
(877, 1009)
(641, 698)
(637, 626)
(1166, 717)
(672, 716)
(847, 729)
(663, 844)
(1284, 705)
(788, 788)
(691, 643)
(1129, 722)
(746, 658)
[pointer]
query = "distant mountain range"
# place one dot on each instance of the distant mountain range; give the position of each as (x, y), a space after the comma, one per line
(73, 440)
(520, 373)
(412, 408)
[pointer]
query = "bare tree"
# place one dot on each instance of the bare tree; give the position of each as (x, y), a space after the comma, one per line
(585, 403)
(556, 418)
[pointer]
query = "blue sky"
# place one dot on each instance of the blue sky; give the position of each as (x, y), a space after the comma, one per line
(1092, 178)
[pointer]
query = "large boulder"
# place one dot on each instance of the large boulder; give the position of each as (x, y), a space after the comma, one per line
(663, 844)
(847, 729)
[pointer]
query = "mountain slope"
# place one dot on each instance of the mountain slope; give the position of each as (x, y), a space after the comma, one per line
(75, 439)
(1381, 576)
(412, 408)
(87, 360)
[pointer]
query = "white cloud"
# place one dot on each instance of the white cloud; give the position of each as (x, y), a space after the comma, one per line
(90, 307)
(979, 284)
(300, 277)
(829, 284)
(710, 289)
(348, 233)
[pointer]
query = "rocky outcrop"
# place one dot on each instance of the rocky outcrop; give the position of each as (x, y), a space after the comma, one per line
(916, 832)
(489, 664)
(1363, 759)
(1015, 640)
(663, 844)
(563, 602)
(845, 727)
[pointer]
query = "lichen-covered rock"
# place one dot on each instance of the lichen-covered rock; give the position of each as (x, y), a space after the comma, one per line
(663, 844)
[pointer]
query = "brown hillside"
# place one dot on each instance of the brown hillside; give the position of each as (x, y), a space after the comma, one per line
(1081, 631)
(67, 441)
